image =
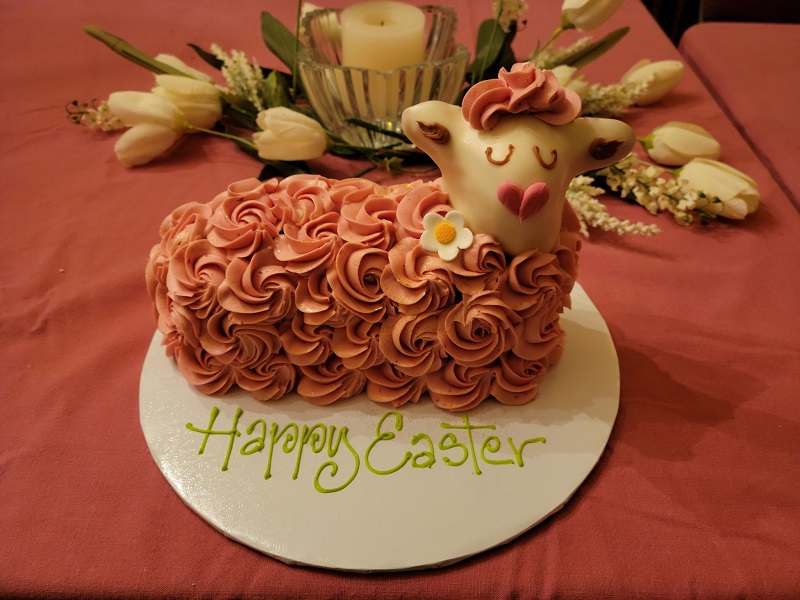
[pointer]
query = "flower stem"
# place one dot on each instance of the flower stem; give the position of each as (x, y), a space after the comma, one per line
(552, 39)
(221, 134)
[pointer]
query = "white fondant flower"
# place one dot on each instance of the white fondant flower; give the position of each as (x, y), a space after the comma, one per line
(445, 235)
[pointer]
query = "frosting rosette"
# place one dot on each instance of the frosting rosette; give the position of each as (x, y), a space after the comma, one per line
(411, 343)
(355, 280)
(523, 89)
(387, 385)
(314, 298)
(231, 341)
(459, 387)
(187, 223)
(414, 204)
(480, 267)
(357, 344)
(369, 221)
(347, 191)
(245, 220)
(329, 381)
(306, 196)
(306, 343)
(516, 379)
(203, 370)
(479, 329)
(416, 280)
(259, 289)
(310, 246)
(534, 278)
(196, 269)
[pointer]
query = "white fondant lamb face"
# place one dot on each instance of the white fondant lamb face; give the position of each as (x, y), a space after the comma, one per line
(510, 181)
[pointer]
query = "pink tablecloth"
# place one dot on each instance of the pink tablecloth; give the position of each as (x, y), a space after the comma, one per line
(696, 496)
(751, 70)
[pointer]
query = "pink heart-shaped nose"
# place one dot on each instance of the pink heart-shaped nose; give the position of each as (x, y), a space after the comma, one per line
(523, 204)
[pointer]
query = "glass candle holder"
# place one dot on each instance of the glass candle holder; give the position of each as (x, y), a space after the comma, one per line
(337, 92)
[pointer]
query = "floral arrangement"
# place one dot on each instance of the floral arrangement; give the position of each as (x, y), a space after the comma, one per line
(266, 114)
(334, 287)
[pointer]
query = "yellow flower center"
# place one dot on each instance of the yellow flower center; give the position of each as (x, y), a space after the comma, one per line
(444, 232)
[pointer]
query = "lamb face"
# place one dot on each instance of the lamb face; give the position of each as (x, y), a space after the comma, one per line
(511, 181)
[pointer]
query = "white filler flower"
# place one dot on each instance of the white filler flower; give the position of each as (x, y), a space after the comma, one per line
(445, 235)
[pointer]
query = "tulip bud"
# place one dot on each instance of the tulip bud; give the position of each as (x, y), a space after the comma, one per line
(676, 143)
(144, 142)
(585, 15)
(134, 108)
(662, 77)
(724, 191)
(199, 101)
(289, 135)
(565, 75)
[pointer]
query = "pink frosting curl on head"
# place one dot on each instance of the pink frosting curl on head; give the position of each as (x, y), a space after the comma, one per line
(524, 89)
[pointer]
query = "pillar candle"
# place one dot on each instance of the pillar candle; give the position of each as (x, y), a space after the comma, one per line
(382, 35)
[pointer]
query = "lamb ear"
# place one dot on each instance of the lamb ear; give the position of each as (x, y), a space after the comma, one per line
(602, 142)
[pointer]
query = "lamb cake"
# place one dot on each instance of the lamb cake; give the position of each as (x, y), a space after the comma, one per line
(450, 290)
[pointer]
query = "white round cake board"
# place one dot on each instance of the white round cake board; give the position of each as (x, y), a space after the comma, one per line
(427, 515)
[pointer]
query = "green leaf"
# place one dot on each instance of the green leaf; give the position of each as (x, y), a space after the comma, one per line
(281, 42)
(280, 168)
(487, 48)
(275, 90)
(584, 56)
(207, 56)
(130, 52)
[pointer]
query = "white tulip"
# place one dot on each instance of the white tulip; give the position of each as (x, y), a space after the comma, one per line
(662, 77)
(199, 101)
(155, 125)
(289, 135)
(585, 15)
(177, 63)
(565, 75)
(134, 108)
(144, 142)
(724, 191)
(676, 143)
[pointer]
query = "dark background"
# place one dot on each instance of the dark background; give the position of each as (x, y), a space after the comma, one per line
(675, 16)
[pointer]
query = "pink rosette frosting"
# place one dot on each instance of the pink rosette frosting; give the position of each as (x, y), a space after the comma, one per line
(387, 385)
(275, 378)
(369, 222)
(411, 343)
(203, 370)
(534, 278)
(479, 329)
(415, 204)
(258, 289)
(480, 267)
(185, 224)
(347, 191)
(524, 89)
(356, 343)
(312, 246)
(314, 298)
(540, 333)
(458, 387)
(231, 341)
(306, 196)
(355, 280)
(416, 280)
(245, 222)
(516, 380)
(196, 269)
(330, 381)
(304, 343)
